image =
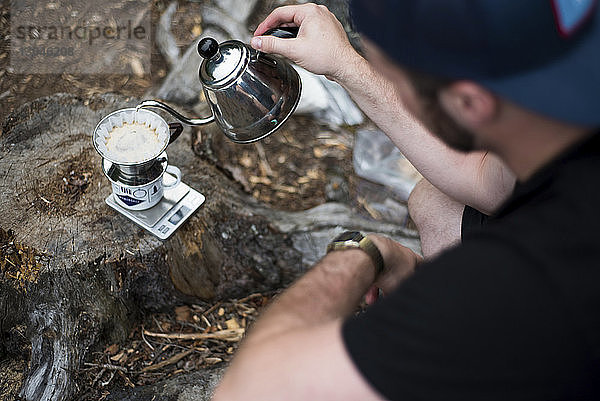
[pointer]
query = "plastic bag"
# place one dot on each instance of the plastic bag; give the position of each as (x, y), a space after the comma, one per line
(377, 159)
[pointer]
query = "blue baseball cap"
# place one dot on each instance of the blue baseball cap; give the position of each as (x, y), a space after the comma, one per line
(541, 54)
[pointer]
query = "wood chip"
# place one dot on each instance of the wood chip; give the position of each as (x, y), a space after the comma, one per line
(259, 180)
(232, 324)
(246, 161)
(313, 174)
(136, 67)
(285, 188)
(197, 30)
(117, 358)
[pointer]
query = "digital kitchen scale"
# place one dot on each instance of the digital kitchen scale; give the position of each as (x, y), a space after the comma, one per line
(176, 206)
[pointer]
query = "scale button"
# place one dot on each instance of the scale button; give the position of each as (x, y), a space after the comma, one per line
(178, 215)
(162, 229)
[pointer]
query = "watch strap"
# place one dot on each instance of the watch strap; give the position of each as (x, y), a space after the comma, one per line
(364, 243)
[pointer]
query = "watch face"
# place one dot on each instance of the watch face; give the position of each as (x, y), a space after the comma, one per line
(349, 235)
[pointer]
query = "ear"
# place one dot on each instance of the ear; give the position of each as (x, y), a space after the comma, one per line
(469, 104)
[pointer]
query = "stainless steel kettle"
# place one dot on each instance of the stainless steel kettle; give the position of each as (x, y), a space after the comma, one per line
(251, 94)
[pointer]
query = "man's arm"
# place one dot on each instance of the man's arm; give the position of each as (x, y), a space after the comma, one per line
(478, 179)
(295, 350)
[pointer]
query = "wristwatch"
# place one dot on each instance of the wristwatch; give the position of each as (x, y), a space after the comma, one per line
(358, 240)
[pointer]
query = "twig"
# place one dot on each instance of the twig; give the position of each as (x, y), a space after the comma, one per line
(174, 359)
(106, 366)
(212, 308)
(146, 341)
(127, 380)
(249, 297)
(233, 335)
(158, 324)
(98, 376)
(106, 383)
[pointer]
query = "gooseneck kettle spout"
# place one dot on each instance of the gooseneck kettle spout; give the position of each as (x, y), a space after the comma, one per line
(180, 117)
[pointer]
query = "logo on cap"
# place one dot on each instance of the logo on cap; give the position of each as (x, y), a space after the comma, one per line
(570, 15)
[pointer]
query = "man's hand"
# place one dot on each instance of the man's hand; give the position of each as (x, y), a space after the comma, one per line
(321, 46)
(399, 261)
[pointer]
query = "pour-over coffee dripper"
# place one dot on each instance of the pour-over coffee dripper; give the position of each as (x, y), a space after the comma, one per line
(166, 133)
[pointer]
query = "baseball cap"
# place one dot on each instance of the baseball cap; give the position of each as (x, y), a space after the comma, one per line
(541, 54)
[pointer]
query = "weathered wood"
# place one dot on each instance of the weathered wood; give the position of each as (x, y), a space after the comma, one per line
(93, 273)
(99, 270)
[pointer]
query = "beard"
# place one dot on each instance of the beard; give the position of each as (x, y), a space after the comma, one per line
(426, 89)
(435, 118)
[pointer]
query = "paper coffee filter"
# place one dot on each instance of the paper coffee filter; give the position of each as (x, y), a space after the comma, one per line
(129, 116)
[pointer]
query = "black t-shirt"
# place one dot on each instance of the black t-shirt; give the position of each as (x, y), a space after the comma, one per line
(511, 314)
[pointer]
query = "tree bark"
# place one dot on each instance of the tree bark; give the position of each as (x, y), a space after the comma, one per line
(75, 273)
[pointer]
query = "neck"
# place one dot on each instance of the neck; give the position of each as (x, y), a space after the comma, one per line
(527, 142)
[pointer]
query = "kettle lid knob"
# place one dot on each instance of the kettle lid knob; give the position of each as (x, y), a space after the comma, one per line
(207, 48)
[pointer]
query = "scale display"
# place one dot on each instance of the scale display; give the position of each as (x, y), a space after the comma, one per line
(176, 206)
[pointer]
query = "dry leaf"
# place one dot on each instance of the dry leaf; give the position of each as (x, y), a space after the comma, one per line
(112, 349)
(221, 312)
(183, 313)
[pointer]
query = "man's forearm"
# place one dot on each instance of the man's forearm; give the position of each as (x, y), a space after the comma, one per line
(457, 174)
(331, 290)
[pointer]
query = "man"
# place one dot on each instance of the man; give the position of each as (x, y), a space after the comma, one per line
(511, 313)
(452, 179)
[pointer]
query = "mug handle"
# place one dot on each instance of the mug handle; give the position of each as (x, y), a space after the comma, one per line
(175, 172)
(175, 130)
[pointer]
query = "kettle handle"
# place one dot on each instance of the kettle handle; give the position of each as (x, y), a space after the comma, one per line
(283, 32)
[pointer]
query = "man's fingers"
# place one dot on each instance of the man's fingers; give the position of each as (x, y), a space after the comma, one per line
(282, 15)
(271, 44)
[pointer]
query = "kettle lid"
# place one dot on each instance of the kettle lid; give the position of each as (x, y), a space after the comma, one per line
(222, 63)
